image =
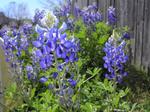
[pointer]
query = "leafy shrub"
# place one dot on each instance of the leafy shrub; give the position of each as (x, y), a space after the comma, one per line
(92, 42)
(58, 65)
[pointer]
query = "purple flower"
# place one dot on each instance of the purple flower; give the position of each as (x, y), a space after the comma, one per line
(48, 60)
(63, 27)
(72, 82)
(29, 75)
(72, 57)
(27, 29)
(68, 44)
(51, 86)
(126, 35)
(57, 43)
(45, 50)
(49, 48)
(52, 45)
(115, 59)
(60, 67)
(77, 11)
(70, 91)
(37, 44)
(91, 15)
(111, 16)
(39, 29)
(42, 64)
(43, 79)
(54, 75)
(110, 76)
(70, 24)
(29, 68)
(38, 16)
(2, 32)
(38, 53)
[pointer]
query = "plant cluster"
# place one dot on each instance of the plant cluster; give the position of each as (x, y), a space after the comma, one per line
(58, 62)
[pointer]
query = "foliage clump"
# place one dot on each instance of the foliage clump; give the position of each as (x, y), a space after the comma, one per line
(59, 65)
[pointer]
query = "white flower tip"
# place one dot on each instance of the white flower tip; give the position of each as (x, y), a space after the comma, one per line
(63, 27)
(1, 40)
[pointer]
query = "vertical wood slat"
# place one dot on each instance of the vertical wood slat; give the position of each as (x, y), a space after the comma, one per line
(146, 35)
(139, 25)
(81, 3)
(130, 23)
(92, 1)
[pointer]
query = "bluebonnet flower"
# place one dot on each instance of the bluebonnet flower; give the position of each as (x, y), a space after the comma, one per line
(54, 75)
(27, 29)
(16, 44)
(2, 32)
(40, 29)
(49, 48)
(70, 91)
(63, 27)
(64, 11)
(72, 82)
(126, 35)
(91, 15)
(29, 68)
(38, 53)
(70, 24)
(38, 16)
(54, 42)
(43, 79)
(29, 75)
(51, 86)
(24, 43)
(60, 66)
(111, 16)
(9, 46)
(37, 44)
(77, 11)
(49, 20)
(115, 59)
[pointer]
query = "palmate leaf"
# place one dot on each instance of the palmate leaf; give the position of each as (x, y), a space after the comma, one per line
(94, 72)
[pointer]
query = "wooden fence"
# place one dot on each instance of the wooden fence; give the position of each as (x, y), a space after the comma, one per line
(136, 15)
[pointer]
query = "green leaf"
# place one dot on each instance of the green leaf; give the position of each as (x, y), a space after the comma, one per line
(87, 107)
(116, 99)
(74, 97)
(32, 93)
(103, 39)
(96, 71)
(133, 107)
(89, 72)
(55, 108)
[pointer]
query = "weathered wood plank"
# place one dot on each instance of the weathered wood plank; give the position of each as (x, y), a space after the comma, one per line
(139, 33)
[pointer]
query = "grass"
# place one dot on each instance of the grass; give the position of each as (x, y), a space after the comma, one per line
(139, 83)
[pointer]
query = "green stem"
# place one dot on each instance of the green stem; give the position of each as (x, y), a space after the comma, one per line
(88, 79)
(56, 66)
